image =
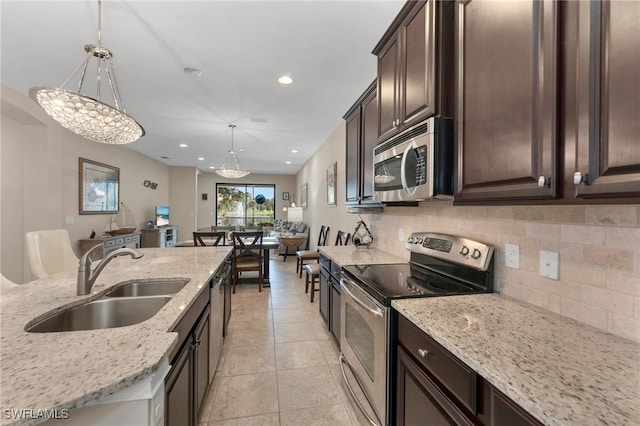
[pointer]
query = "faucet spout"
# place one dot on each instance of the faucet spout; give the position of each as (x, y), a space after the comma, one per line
(86, 278)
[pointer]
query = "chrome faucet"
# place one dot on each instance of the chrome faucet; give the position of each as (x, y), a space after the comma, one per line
(86, 278)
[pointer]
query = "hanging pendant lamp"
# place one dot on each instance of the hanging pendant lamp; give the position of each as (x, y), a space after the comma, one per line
(87, 116)
(231, 167)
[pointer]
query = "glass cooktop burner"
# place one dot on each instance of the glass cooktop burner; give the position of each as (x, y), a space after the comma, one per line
(403, 280)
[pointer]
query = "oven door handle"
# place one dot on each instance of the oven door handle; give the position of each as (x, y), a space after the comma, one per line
(344, 362)
(375, 312)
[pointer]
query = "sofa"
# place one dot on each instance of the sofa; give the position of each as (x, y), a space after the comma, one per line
(285, 228)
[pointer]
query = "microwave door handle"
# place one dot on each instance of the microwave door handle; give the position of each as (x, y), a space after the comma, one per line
(403, 169)
(374, 312)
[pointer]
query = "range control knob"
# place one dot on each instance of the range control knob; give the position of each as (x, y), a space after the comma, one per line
(464, 250)
(419, 240)
(476, 254)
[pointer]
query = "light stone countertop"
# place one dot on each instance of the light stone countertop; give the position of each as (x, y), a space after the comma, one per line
(46, 371)
(561, 371)
(351, 255)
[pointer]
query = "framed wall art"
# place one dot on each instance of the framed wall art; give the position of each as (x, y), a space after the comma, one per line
(304, 189)
(331, 184)
(99, 191)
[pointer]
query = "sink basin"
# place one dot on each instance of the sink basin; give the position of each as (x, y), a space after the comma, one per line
(102, 313)
(148, 288)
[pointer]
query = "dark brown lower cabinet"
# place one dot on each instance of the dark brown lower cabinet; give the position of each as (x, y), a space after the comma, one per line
(434, 388)
(420, 401)
(178, 395)
(335, 310)
(325, 291)
(187, 383)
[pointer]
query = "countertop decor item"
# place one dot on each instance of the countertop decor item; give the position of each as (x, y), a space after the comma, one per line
(231, 167)
(362, 237)
(84, 115)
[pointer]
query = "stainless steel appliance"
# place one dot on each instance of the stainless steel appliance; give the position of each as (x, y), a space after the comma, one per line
(440, 265)
(220, 281)
(416, 164)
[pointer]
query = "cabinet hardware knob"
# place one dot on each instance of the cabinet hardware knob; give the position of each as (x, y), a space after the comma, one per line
(423, 353)
(544, 181)
(579, 178)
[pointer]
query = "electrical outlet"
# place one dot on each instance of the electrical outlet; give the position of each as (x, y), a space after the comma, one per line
(512, 256)
(549, 261)
(69, 220)
(401, 234)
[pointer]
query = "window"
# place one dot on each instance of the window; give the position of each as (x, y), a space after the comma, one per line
(245, 205)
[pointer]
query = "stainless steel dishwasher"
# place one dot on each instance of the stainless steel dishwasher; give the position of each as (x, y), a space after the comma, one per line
(221, 279)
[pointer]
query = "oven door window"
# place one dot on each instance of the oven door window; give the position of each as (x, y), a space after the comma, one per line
(361, 339)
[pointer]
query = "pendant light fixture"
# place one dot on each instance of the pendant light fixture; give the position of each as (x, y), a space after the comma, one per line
(231, 167)
(84, 115)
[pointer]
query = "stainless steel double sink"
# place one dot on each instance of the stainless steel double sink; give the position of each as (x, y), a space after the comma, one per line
(128, 304)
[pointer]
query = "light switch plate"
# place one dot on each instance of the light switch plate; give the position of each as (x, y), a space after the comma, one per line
(401, 234)
(512, 256)
(68, 220)
(549, 261)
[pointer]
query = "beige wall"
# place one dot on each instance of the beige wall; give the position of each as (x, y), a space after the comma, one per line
(599, 246)
(207, 185)
(39, 180)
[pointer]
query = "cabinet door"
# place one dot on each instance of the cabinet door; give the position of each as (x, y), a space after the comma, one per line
(507, 412)
(419, 401)
(506, 100)
(178, 396)
(335, 311)
(352, 164)
(388, 90)
(325, 285)
(608, 99)
(418, 83)
(201, 361)
(369, 140)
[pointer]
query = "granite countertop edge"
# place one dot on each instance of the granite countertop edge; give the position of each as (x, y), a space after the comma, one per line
(67, 370)
(559, 370)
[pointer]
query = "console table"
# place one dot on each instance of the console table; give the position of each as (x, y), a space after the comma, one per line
(108, 243)
(165, 236)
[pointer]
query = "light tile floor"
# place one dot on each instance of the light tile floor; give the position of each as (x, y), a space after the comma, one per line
(279, 364)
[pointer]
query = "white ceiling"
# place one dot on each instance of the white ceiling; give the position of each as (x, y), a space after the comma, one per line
(241, 47)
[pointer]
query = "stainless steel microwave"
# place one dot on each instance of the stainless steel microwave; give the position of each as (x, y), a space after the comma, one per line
(416, 164)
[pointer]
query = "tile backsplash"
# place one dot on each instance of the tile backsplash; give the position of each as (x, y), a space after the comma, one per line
(599, 248)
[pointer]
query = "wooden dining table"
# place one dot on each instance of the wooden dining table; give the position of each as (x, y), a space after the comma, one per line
(268, 243)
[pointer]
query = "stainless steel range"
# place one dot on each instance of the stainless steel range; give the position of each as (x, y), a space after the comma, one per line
(440, 265)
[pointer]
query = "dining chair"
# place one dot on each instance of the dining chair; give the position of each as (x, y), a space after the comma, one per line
(49, 252)
(247, 255)
(206, 238)
(343, 238)
(305, 256)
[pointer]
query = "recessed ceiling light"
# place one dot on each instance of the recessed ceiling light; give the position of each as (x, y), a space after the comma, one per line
(240, 149)
(212, 167)
(192, 71)
(287, 162)
(294, 151)
(183, 145)
(285, 79)
(200, 158)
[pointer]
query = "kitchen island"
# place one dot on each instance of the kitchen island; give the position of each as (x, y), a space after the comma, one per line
(561, 371)
(67, 370)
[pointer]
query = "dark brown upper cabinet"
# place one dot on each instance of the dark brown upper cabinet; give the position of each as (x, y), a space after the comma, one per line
(603, 99)
(506, 97)
(547, 93)
(362, 136)
(414, 66)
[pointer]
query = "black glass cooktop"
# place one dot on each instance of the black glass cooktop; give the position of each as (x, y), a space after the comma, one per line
(405, 280)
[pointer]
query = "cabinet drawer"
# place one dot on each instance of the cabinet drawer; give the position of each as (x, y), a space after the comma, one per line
(459, 379)
(336, 270)
(110, 243)
(128, 239)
